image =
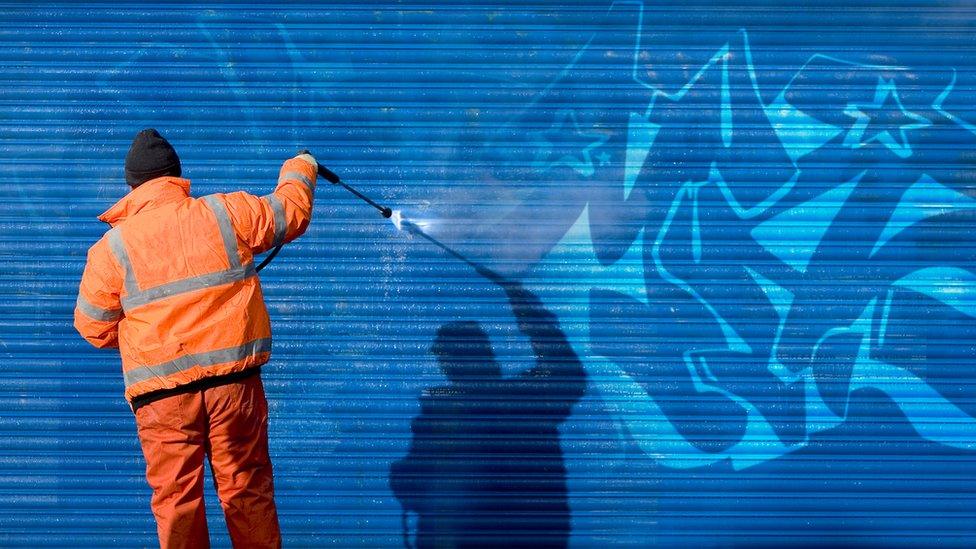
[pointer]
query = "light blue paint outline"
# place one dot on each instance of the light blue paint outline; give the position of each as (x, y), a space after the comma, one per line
(726, 123)
(782, 301)
(885, 313)
(940, 100)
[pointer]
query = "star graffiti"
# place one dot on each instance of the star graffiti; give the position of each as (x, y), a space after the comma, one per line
(565, 143)
(867, 115)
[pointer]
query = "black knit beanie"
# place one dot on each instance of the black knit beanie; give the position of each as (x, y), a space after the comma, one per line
(150, 156)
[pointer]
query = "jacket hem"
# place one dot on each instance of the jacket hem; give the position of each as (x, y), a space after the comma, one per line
(199, 385)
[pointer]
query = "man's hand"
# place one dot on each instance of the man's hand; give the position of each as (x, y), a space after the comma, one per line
(307, 157)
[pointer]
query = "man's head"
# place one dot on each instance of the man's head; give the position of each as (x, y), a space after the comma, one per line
(149, 157)
(464, 352)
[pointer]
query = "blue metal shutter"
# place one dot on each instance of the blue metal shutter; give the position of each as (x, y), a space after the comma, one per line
(752, 221)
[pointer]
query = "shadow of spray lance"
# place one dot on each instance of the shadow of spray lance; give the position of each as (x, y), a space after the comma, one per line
(400, 222)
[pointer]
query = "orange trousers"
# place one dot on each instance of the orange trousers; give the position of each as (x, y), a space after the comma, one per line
(229, 425)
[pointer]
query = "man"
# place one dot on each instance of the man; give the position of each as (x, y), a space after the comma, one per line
(172, 285)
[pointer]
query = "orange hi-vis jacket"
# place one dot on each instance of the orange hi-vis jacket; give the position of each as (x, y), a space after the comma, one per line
(172, 284)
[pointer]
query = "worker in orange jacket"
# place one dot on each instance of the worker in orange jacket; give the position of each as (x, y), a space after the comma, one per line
(172, 285)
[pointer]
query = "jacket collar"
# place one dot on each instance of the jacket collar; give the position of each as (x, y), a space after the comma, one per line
(151, 194)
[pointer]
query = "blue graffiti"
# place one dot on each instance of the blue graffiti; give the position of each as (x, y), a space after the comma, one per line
(770, 379)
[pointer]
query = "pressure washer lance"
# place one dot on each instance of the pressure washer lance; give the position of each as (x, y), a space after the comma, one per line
(335, 180)
(400, 223)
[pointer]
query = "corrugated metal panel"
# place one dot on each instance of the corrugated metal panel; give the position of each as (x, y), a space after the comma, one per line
(753, 222)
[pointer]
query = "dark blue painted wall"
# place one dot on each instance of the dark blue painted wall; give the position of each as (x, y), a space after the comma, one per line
(743, 233)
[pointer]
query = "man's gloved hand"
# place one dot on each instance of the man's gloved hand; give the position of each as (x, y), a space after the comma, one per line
(307, 157)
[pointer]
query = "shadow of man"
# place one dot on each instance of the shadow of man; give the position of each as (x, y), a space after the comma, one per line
(485, 466)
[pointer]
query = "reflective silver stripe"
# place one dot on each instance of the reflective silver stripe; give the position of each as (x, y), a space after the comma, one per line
(226, 229)
(279, 218)
(209, 358)
(118, 250)
(188, 285)
(299, 176)
(97, 313)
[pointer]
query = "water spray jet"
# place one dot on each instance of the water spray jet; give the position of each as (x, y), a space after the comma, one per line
(397, 220)
(413, 228)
